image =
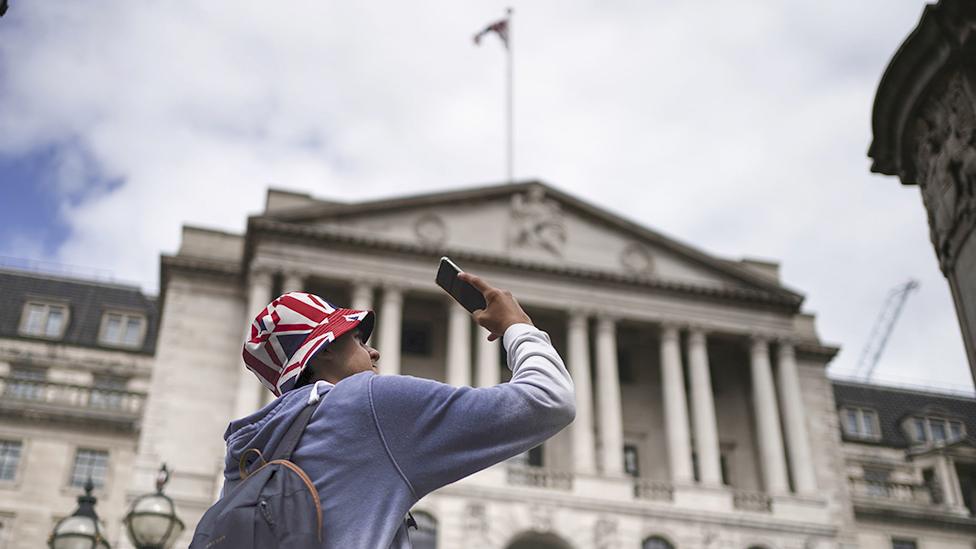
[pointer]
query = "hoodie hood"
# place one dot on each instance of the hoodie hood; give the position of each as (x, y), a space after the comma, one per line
(264, 429)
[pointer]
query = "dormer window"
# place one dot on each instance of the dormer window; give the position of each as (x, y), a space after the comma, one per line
(861, 423)
(938, 430)
(121, 329)
(44, 319)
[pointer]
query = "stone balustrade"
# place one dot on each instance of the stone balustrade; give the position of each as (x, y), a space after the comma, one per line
(539, 477)
(44, 399)
(747, 500)
(902, 492)
(653, 490)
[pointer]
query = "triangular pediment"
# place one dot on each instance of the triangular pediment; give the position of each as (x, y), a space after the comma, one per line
(529, 222)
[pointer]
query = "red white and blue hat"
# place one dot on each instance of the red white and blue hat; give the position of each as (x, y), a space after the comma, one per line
(290, 330)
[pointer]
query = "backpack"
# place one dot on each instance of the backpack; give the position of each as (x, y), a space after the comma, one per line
(274, 507)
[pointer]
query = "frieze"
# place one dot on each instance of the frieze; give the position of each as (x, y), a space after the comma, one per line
(430, 230)
(537, 223)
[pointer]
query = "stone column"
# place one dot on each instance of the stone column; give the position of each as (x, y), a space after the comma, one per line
(362, 297)
(608, 398)
(767, 420)
(488, 359)
(675, 407)
(249, 389)
(458, 345)
(795, 421)
(584, 445)
(703, 410)
(293, 282)
(390, 324)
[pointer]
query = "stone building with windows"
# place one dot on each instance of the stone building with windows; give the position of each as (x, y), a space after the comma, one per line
(704, 415)
(705, 418)
(75, 363)
(911, 465)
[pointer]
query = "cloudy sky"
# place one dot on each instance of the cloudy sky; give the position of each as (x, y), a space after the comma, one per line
(738, 127)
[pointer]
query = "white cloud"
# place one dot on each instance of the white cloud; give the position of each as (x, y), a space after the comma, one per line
(739, 127)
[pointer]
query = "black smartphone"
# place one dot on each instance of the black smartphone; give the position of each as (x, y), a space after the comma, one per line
(467, 295)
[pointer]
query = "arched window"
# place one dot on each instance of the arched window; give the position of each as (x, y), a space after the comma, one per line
(656, 542)
(425, 536)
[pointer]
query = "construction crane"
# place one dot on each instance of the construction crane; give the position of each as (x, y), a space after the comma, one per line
(883, 327)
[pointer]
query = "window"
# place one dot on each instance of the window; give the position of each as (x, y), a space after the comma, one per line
(89, 464)
(935, 429)
(901, 543)
(9, 459)
(108, 392)
(656, 542)
(861, 423)
(44, 319)
(625, 367)
(631, 463)
(122, 329)
(532, 458)
(425, 536)
(26, 383)
(415, 339)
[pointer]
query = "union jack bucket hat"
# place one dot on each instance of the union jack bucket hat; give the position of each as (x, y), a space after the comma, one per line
(288, 332)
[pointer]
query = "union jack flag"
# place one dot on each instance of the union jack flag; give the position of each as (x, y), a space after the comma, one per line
(287, 333)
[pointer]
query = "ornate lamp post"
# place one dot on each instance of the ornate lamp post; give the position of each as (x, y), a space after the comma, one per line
(81, 530)
(152, 522)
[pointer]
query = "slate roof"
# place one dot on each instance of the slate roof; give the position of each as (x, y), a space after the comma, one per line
(894, 404)
(87, 300)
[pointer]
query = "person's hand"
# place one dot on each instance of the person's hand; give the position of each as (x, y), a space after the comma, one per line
(502, 308)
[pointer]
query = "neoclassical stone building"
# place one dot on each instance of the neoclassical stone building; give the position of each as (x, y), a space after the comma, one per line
(704, 418)
(704, 413)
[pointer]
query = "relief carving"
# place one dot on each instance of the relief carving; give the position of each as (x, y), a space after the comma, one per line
(540, 518)
(636, 259)
(605, 534)
(537, 223)
(430, 230)
(476, 521)
(945, 166)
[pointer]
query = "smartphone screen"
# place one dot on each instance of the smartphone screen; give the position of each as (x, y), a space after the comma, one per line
(467, 295)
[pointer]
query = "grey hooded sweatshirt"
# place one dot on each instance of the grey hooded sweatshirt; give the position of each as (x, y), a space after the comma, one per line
(377, 444)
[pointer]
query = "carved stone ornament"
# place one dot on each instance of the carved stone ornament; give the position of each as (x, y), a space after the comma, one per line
(537, 223)
(605, 533)
(540, 518)
(430, 230)
(945, 160)
(636, 259)
(476, 520)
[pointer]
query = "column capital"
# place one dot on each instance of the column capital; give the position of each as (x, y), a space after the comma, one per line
(760, 339)
(260, 274)
(696, 336)
(577, 319)
(786, 346)
(606, 322)
(392, 290)
(670, 330)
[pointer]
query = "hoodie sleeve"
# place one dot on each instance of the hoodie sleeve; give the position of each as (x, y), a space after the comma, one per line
(437, 433)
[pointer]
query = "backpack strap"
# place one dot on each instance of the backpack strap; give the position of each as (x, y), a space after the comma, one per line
(294, 433)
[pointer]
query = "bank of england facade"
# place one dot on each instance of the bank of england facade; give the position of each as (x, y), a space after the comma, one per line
(704, 414)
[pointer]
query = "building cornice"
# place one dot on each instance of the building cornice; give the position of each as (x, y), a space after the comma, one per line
(479, 194)
(169, 264)
(266, 227)
(943, 37)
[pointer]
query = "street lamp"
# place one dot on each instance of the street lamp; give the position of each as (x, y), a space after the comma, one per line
(81, 530)
(152, 522)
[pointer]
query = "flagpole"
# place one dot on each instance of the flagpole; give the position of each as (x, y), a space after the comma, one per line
(511, 134)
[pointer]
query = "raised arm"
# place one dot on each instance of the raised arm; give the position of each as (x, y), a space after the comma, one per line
(437, 433)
